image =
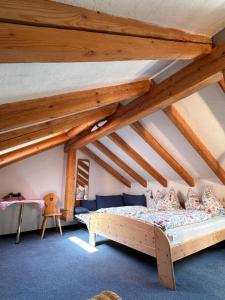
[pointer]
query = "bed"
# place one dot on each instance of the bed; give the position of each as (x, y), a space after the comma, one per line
(141, 230)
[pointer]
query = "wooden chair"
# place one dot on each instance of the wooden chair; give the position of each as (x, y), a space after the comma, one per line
(51, 212)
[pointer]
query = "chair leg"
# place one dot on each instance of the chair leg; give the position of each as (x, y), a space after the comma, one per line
(44, 226)
(59, 224)
(56, 224)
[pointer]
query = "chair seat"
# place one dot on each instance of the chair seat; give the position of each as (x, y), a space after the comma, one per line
(52, 215)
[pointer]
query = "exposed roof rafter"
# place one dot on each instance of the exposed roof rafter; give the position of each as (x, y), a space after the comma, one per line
(101, 147)
(177, 119)
(152, 142)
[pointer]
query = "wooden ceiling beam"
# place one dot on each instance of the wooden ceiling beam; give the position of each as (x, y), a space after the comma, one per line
(23, 135)
(22, 113)
(137, 158)
(190, 79)
(165, 155)
(186, 130)
(120, 163)
(105, 166)
(30, 44)
(52, 14)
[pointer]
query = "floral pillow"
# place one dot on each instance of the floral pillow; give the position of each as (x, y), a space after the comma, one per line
(150, 201)
(193, 200)
(210, 202)
(169, 201)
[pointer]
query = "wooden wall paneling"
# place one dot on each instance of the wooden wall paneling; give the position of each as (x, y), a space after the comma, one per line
(120, 163)
(53, 14)
(105, 166)
(138, 158)
(21, 113)
(147, 136)
(175, 116)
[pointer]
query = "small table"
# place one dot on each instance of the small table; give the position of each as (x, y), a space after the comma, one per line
(5, 204)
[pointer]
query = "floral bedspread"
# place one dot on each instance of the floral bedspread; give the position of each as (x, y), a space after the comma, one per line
(164, 219)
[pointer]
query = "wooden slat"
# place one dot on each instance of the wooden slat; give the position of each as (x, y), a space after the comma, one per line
(52, 14)
(137, 158)
(105, 166)
(195, 76)
(120, 163)
(28, 151)
(84, 166)
(69, 186)
(28, 134)
(152, 141)
(177, 119)
(27, 112)
(29, 44)
(80, 183)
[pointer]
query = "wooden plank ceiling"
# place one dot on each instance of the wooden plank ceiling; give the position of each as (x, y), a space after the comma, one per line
(45, 31)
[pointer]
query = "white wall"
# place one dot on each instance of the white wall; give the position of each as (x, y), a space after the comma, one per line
(38, 175)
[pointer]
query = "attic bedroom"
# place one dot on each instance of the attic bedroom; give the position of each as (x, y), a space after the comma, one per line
(112, 149)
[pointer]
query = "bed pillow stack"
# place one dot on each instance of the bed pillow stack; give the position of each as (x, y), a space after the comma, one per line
(109, 201)
(167, 201)
(132, 200)
(207, 202)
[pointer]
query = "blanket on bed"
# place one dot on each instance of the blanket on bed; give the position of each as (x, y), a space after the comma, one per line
(164, 219)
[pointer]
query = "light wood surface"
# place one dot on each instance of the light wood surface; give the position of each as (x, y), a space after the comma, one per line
(53, 14)
(70, 185)
(178, 120)
(29, 44)
(160, 150)
(105, 166)
(51, 211)
(23, 135)
(27, 112)
(101, 147)
(190, 79)
(137, 158)
(164, 259)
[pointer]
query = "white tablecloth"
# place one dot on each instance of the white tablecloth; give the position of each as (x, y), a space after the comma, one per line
(5, 204)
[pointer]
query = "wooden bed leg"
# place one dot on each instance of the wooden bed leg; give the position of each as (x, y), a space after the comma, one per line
(92, 239)
(164, 260)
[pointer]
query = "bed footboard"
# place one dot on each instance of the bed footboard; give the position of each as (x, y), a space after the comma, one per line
(146, 238)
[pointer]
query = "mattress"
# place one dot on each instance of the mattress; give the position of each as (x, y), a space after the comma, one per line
(187, 232)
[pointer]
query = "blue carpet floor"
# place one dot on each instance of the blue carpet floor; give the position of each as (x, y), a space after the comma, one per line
(57, 268)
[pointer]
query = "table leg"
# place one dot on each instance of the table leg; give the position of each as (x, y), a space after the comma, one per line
(20, 219)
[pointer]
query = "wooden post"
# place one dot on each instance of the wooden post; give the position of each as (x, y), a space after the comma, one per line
(67, 212)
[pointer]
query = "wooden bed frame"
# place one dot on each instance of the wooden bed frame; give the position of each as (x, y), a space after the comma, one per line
(151, 240)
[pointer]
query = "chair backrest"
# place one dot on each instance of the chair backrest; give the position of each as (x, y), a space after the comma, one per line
(51, 200)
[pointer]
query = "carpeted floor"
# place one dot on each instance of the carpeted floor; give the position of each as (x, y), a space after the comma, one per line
(58, 268)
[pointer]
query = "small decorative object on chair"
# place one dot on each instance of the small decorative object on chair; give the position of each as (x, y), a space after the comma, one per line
(51, 212)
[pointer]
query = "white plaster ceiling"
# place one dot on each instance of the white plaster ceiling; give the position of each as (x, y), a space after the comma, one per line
(198, 16)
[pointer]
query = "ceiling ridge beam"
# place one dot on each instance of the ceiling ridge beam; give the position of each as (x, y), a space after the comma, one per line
(20, 113)
(59, 15)
(119, 162)
(148, 137)
(176, 117)
(30, 44)
(23, 135)
(195, 76)
(106, 166)
(137, 158)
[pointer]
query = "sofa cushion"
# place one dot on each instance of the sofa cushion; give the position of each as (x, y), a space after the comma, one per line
(109, 201)
(89, 204)
(131, 200)
(80, 210)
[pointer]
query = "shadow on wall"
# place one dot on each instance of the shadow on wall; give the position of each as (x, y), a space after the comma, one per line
(214, 98)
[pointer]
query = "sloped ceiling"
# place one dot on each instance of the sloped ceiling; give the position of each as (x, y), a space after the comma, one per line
(205, 111)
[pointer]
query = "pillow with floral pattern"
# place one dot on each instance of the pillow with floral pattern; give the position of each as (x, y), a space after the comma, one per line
(159, 196)
(193, 200)
(211, 203)
(170, 201)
